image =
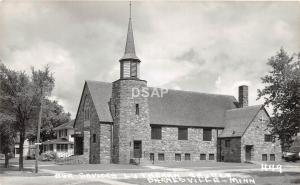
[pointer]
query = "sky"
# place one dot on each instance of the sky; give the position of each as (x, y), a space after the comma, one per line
(210, 47)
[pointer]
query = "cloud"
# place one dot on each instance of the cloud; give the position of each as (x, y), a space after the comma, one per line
(200, 46)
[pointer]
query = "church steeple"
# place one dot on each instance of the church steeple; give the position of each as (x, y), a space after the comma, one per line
(129, 62)
(129, 47)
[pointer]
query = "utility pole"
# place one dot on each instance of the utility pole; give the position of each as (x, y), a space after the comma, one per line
(37, 144)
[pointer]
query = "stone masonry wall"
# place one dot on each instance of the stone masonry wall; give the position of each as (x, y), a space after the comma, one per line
(254, 135)
(233, 152)
(92, 151)
(169, 144)
(105, 143)
(127, 125)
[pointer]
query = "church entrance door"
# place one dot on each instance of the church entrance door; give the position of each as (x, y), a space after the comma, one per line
(137, 149)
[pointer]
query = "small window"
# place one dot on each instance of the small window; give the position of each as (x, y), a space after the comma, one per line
(133, 69)
(151, 156)
(86, 114)
(161, 157)
(156, 132)
(187, 156)
(211, 157)
(264, 157)
(202, 156)
(72, 146)
(182, 133)
(177, 157)
(206, 134)
(272, 157)
(268, 138)
(227, 143)
(66, 132)
(137, 109)
(94, 138)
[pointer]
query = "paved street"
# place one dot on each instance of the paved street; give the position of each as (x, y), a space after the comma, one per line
(167, 173)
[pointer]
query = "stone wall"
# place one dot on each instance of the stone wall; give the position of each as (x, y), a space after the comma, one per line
(231, 153)
(254, 135)
(105, 143)
(93, 151)
(169, 144)
(127, 125)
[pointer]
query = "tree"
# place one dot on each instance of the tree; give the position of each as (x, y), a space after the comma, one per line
(7, 135)
(282, 92)
(53, 115)
(20, 95)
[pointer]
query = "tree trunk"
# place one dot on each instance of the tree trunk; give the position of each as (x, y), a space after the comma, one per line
(21, 146)
(6, 164)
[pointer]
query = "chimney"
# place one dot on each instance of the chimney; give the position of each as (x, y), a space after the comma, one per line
(243, 96)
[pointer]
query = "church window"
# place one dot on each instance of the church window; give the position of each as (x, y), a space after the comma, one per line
(155, 132)
(133, 69)
(268, 138)
(94, 138)
(202, 156)
(137, 109)
(182, 133)
(161, 157)
(187, 156)
(211, 157)
(272, 157)
(206, 134)
(264, 157)
(177, 157)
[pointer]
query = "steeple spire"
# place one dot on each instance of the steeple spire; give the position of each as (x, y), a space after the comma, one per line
(129, 47)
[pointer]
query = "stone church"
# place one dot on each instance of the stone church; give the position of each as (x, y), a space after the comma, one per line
(112, 126)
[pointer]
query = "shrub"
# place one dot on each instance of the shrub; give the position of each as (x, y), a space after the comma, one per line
(48, 156)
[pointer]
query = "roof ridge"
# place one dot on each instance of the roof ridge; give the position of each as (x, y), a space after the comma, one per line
(196, 92)
(248, 107)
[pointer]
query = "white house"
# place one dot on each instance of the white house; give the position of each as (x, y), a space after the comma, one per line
(63, 145)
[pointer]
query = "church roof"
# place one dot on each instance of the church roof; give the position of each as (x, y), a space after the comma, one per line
(237, 120)
(176, 108)
(185, 108)
(101, 94)
(129, 47)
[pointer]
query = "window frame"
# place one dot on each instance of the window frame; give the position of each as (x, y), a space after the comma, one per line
(264, 157)
(133, 68)
(156, 135)
(201, 157)
(94, 140)
(268, 138)
(177, 155)
(272, 157)
(137, 109)
(205, 136)
(211, 158)
(187, 156)
(160, 156)
(183, 133)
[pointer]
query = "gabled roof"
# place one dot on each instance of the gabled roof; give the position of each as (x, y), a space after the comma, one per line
(101, 93)
(185, 108)
(237, 120)
(68, 125)
(178, 108)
